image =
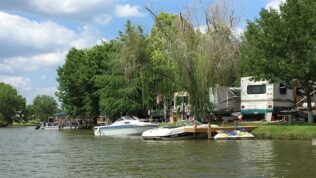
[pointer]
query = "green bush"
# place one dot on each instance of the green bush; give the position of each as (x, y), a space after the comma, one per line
(3, 121)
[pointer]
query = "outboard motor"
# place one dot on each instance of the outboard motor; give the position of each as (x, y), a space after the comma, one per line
(37, 127)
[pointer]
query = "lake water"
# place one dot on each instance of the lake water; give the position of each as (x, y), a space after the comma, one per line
(25, 152)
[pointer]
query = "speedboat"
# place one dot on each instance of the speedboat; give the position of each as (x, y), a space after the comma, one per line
(233, 135)
(125, 125)
(175, 131)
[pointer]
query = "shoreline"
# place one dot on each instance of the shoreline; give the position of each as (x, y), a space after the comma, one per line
(265, 130)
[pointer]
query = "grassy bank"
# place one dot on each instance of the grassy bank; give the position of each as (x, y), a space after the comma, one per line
(280, 130)
(29, 123)
(289, 132)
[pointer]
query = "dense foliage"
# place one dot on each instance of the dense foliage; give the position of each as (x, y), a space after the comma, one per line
(12, 105)
(43, 107)
(280, 46)
(125, 75)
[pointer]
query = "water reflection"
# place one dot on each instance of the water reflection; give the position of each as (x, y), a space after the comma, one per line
(26, 152)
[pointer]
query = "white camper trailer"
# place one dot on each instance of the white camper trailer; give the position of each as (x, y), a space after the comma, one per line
(225, 99)
(262, 100)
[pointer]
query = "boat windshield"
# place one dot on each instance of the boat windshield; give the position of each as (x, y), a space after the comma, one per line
(181, 123)
(126, 118)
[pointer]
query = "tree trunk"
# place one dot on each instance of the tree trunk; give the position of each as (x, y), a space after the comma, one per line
(309, 105)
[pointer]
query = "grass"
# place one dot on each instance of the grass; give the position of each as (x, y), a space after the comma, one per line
(29, 123)
(288, 132)
(281, 130)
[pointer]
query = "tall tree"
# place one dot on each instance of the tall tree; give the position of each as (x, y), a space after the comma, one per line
(124, 86)
(12, 105)
(200, 60)
(44, 106)
(77, 89)
(161, 63)
(280, 46)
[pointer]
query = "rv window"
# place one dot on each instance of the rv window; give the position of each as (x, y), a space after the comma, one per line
(256, 89)
(283, 89)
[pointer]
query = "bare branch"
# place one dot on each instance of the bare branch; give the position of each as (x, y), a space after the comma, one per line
(155, 17)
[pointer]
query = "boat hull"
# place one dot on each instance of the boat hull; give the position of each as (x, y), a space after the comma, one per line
(179, 136)
(176, 133)
(122, 130)
(54, 128)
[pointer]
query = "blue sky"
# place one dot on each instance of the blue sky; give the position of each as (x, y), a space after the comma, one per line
(35, 35)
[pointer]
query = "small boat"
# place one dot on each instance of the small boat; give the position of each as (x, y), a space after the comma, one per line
(237, 134)
(175, 131)
(53, 126)
(126, 125)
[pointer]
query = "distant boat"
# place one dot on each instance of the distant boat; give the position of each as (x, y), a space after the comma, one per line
(53, 126)
(125, 125)
(175, 131)
(238, 134)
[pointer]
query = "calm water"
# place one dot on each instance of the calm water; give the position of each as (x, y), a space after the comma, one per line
(25, 152)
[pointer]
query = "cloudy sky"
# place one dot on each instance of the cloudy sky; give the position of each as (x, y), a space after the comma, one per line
(35, 35)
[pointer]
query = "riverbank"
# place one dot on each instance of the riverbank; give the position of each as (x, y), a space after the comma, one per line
(289, 132)
(281, 130)
(29, 123)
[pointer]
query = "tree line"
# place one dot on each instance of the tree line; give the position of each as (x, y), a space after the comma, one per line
(13, 107)
(126, 74)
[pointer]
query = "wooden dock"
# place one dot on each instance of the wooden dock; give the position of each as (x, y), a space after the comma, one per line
(209, 130)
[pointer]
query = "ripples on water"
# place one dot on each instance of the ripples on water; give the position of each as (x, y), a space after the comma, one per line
(25, 152)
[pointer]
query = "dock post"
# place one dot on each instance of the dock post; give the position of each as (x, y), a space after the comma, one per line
(314, 141)
(209, 131)
(194, 134)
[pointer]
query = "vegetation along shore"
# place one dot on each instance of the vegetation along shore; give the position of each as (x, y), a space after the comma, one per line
(283, 131)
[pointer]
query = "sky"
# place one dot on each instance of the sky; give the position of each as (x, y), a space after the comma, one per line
(35, 35)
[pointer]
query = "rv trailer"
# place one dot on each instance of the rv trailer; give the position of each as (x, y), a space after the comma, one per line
(225, 99)
(262, 100)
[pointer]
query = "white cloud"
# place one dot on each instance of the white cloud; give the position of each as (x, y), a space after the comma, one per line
(275, 4)
(238, 31)
(74, 10)
(29, 45)
(30, 95)
(4, 68)
(18, 82)
(202, 28)
(19, 35)
(102, 19)
(46, 91)
(128, 11)
(24, 63)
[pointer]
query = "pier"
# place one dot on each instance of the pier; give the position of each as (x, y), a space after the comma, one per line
(209, 130)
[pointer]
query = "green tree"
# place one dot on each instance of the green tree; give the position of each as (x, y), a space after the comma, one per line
(123, 87)
(77, 89)
(3, 121)
(161, 64)
(280, 46)
(30, 112)
(44, 106)
(12, 105)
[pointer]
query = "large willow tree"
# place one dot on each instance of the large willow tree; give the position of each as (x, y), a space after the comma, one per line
(200, 60)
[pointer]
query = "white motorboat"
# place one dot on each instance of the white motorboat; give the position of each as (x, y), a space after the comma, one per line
(125, 125)
(238, 134)
(53, 126)
(175, 131)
